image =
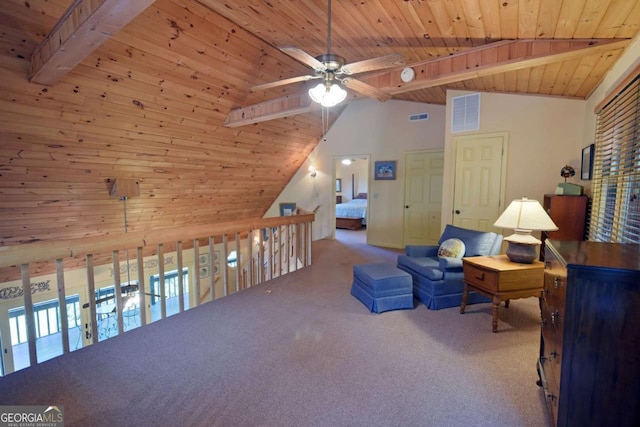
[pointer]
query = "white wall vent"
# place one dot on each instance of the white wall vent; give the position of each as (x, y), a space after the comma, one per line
(465, 114)
(418, 117)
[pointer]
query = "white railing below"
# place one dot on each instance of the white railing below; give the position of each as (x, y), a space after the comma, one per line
(264, 249)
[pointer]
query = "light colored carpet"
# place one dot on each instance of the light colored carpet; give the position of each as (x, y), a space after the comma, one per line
(301, 351)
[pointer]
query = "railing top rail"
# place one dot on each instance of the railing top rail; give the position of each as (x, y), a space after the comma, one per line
(54, 249)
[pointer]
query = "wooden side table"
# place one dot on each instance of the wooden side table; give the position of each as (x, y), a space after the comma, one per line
(501, 280)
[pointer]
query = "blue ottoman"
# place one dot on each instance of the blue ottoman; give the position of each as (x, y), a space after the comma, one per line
(382, 287)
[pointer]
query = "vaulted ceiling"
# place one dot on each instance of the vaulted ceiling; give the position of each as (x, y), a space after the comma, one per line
(162, 96)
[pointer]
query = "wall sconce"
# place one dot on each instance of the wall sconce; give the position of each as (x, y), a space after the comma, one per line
(312, 171)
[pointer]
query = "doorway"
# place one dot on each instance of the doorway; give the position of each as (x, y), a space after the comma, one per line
(480, 180)
(351, 196)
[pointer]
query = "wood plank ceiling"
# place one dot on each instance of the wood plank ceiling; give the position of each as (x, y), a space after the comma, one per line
(149, 102)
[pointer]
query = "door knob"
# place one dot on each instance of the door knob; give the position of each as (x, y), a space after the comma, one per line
(406, 206)
(457, 212)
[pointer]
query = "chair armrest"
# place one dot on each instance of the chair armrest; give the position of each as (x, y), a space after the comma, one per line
(419, 251)
(450, 264)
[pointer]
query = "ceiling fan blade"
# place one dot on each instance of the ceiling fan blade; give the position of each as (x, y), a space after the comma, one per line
(303, 57)
(283, 82)
(366, 89)
(387, 61)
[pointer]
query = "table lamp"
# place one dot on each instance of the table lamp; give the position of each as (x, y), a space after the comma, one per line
(524, 216)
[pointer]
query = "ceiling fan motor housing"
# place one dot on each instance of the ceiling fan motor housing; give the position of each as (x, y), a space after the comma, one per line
(331, 61)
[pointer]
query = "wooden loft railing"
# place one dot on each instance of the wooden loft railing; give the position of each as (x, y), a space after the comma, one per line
(265, 249)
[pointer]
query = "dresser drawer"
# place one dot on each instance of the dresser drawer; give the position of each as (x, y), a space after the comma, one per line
(555, 285)
(552, 336)
(551, 390)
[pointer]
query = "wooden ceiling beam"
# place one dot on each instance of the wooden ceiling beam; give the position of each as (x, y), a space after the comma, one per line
(495, 58)
(84, 27)
(270, 110)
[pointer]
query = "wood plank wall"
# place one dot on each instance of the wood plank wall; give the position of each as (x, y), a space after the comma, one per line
(149, 106)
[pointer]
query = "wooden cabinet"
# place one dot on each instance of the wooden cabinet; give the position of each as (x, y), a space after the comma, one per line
(589, 361)
(338, 199)
(569, 213)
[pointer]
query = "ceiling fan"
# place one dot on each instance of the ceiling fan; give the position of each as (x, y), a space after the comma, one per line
(332, 68)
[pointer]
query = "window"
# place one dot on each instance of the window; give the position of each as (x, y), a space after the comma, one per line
(232, 259)
(615, 215)
(171, 293)
(47, 319)
(171, 288)
(46, 316)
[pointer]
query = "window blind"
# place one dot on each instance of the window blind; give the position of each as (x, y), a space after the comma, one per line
(615, 213)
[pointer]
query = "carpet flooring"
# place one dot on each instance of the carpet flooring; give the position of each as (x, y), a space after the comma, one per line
(301, 351)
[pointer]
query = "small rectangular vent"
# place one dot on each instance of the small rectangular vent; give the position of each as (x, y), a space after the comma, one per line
(418, 117)
(465, 114)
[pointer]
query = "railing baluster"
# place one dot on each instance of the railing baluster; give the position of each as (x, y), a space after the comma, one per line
(163, 302)
(180, 279)
(91, 285)
(281, 242)
(28, 313)
(272, 256)
(117, 288)
(260, 255)
(211, 269)
(309, 238)
(250, 263)
(196, 278)
(62, 303)
(288, 251)
(238, 266)
(142, 291)
(224, 264)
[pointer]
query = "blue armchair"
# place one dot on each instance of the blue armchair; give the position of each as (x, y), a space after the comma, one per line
(437, 281)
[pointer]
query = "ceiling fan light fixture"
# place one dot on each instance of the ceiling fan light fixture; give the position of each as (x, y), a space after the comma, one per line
(327, 95)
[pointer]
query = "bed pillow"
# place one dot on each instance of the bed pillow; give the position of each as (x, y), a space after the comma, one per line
(361, 196)
(451, 248)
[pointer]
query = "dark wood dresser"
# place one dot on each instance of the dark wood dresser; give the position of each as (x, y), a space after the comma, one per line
(589, 362)
(569, 213)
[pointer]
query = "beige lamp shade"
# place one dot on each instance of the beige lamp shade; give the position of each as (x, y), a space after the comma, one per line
(524, 216)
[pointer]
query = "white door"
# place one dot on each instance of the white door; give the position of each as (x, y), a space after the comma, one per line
(422, 197)
(479, 180)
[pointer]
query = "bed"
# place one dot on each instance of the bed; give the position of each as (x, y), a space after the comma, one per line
(352, 215)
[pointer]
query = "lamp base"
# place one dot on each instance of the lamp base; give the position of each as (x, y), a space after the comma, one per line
(522, 253)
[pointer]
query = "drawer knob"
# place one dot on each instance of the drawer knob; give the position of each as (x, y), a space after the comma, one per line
(554, 317)
(550, 397)
(556, 282)
(552, 355)
(479, 276)
(543, 323)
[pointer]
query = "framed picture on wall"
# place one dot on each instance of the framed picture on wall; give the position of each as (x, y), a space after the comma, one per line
(204, 271)
(385, 170)
(287, 209)
(587, 162)
(203, 259)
